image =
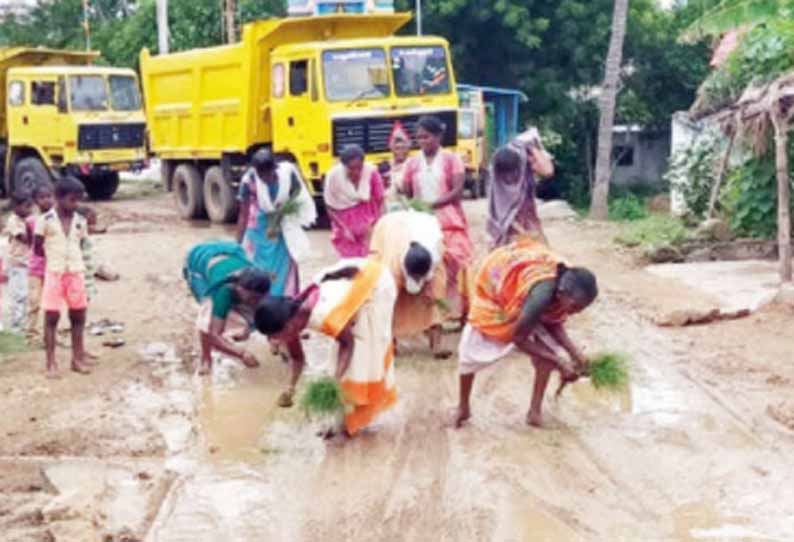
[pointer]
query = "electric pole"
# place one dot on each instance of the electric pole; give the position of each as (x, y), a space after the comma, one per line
(162, 26)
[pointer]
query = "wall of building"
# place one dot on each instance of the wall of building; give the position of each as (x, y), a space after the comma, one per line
(642, 156)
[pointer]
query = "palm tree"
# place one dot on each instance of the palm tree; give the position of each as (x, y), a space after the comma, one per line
(599, 209)
(733, 14)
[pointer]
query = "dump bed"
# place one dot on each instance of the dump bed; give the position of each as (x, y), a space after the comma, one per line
(206, 102)
(17, 57)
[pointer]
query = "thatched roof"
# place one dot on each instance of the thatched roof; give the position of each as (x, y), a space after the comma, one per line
(751, 115)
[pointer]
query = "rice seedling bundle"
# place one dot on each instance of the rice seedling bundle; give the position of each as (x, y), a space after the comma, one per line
(609, 371)
(322, 398)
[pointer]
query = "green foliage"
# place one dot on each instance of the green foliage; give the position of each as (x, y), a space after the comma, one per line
(694, 169)
(732, 14)
(121, 28)
(323, 397)
(750, 198)
(655, 230)
(627, 208)
(609, 371)
(763, 54)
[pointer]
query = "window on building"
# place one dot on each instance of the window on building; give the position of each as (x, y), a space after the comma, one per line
(623, 155)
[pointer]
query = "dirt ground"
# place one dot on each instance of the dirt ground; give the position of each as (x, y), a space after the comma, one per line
(698, 449)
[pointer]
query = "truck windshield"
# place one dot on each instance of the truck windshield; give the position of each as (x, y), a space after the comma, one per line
(420, 70)
(88, 93)
(355, 74)
(124, 94)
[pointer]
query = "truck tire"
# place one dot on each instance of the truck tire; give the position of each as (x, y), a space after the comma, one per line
(219, 196)
(29, 173)
(101, 187)
(167, 174)
(188, 193)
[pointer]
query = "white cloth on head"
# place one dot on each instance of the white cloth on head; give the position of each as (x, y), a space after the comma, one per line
(340, 193)
(292, 226)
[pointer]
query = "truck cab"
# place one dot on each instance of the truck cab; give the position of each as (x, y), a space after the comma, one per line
(77, 119)
(304, 87)
(327, 95)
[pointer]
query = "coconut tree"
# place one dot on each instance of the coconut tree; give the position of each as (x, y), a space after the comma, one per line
(734, 14)
(609, 89)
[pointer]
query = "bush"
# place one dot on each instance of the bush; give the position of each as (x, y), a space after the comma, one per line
(750, 198)
(654, 230)
(627, 208)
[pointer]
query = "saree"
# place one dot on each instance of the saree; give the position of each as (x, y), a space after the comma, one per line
(366, 300)
(501, 285)
(391, 240)
(428, 181)
(278, 256)
(357, 208)
(512, 212)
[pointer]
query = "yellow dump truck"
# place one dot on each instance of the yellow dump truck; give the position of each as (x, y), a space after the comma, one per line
(59, 114)
(305, 87)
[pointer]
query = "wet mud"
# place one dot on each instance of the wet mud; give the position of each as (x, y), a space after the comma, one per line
(697, 449)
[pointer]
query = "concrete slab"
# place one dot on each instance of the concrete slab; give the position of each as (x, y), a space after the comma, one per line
(737, 285)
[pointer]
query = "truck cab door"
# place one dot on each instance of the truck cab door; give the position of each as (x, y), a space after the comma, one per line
(42, 118)
(298, 107)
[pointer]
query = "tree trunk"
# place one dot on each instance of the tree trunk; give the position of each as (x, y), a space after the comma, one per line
(783, 201)
(231, 28)
(598, 206)
(162, 27)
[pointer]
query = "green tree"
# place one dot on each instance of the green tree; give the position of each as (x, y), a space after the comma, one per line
(733, 14)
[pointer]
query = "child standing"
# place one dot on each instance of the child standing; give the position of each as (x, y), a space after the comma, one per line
(44, 200)
(59, 234)
(17, 258)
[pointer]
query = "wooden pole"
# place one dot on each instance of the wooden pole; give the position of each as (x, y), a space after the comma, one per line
(715, 190)
(783, 195)
(231, 29)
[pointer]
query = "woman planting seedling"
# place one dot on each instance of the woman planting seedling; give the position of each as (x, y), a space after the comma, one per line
(523, 295)
(352, 302)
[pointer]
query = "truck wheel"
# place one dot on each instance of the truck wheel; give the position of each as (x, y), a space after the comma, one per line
(101, 187)
(29, 173)
(219, 196)
(188, 194)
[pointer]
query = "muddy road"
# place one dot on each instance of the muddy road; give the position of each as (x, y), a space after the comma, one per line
(699, 448)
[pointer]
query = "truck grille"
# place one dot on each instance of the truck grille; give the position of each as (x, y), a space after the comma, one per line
(92, 137)
(372, 133)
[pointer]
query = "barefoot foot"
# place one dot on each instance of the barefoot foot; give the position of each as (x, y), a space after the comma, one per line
(204, 369)
(460, 416)
(285, 399)
(535, 419)
(80, 367)
(53, 373)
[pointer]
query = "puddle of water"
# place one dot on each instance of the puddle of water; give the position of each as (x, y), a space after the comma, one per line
(587, 396)
(233, 418)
